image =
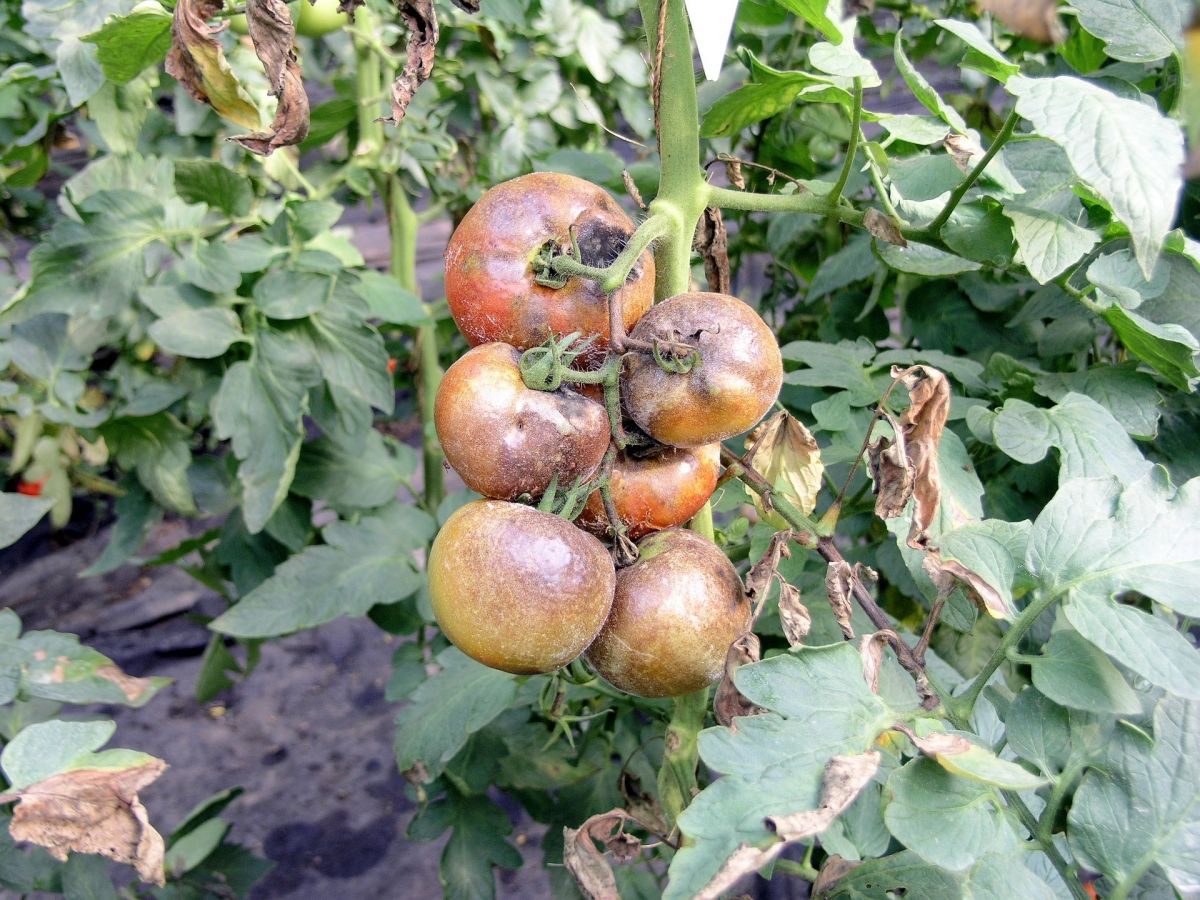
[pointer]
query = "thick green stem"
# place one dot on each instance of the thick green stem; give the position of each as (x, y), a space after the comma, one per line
(677, 775)
(835, 195)
(1006, 131)
(612, 277)
(368, 78)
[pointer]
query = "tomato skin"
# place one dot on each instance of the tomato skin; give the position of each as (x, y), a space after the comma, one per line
(658, 492)
(490, 283)
(728, 392)
(677, 610)
(516, 589)
(506, 439)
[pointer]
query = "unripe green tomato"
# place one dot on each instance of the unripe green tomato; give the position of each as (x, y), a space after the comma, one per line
(321, 19)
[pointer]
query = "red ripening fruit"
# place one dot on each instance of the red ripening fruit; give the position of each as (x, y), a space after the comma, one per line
(656, 492)
(506, 439)
(31, 488)
(676, 611)
(732, 387)
(517, 589)
(391, 365)
(490, 283)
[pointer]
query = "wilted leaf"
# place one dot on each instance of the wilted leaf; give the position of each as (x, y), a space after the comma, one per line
(712, 242)
(421, 19)
(957, 755)
(729, 702)
(871, 650)
(884, 227)
(198, 63)
(839, 582)
(945, 573)
(587, 865)
(915, 453)
(763, 572)
(786, 454)
(962, 149)
(845, 777)
(793, 615)
(274, 33)
(1035, 19)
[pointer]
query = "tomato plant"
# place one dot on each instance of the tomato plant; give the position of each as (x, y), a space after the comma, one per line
(931, 628)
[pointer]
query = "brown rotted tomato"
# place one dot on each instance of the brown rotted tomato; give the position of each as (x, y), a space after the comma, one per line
(732, 387)
(506, 439)
(677, 610)
(656, 492)
(490, 282)
(517, 589)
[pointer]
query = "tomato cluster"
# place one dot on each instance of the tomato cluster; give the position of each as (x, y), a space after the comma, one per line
(526, 590)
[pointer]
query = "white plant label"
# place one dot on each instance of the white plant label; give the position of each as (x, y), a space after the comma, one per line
(712, 23)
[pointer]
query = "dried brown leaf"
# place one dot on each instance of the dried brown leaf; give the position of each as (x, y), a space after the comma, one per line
(884, 227)
(712, 243)
(1035, 19)
(93, 811)
(133, 688)
(786, 454)
(197, 61)
(274, 36)
(421, 19)
(588, 865)
(945, 573)
(941, 743)
(641, 804)
(844, 779)
(728, 703)
(871, 650)
(963, 149)
(733, 171)
(835, 869)
(793, 615)
(915, 453)
(632, 188)
(761, 574)
(839, 582)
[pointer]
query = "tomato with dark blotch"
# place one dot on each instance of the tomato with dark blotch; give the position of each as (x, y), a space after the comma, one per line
(676, 611)
(517, 589)
(727, 392)
(490, 277)
(506, 439)
(656, 492)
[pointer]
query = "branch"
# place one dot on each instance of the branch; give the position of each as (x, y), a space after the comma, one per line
(1006, 130)
(612, 277)
(835, 195)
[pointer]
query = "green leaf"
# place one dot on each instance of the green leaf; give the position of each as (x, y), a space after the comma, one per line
(921, 259)
(1124, 151)
(389, 302)
(137, 515)
(1169, 349)
(198, 333)
(120, 111)
(126, 45)
(1074, 673)
(842, 365)
(362, 477)
(293, 293)
(476, 844)
(157, 448)
(981, 56)
(49, 748)
(906, 874)
(196, 846)
(842, 60)
(948, 821)
(994, 550)
(1091, 443)
(1131, 396)
(756, 102)
(814, 13)
(854, 262)
(359, 565)
(1142, 808)
(1135, 30)
(1039, 730)
(1047, 243)
(85, 877)
(923, 90)
(819, 706)
(207, 181)
(960, 756)
(445, 710)
(19, 513)
(260, 407)
(350, 354)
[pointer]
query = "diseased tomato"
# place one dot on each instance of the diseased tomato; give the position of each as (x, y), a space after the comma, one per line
(517, 589)
(506, 439)
(490, 273)
(727, 392)
(677, 610)
(656, 492)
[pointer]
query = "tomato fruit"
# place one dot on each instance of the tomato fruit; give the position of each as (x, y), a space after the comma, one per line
(490, 278)
(656, 492)
(506, 439)
(732, 387)
(676, 611)
(517, 589)
(319, 19)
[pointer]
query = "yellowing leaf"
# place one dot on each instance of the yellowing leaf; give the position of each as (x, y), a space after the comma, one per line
(786, 454)
(198, 62)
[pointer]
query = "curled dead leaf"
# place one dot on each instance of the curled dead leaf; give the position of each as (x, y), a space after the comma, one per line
(274, 35)
(728, 702)
(421, 19)
(786, 454)
(1034, 19)
(588, 865)
(761, 574)
(835, 869)
(884, 227)
(793, 615)
(733, 171)
(909, 467)
(844, 779)
(946, 573)
(871, 650)
(839, 582)
(963, 149)
(197, 61)
(632, 189)
(712, 242)
(93, 811)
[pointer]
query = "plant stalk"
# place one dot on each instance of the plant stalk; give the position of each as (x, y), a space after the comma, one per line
(1006, 131)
